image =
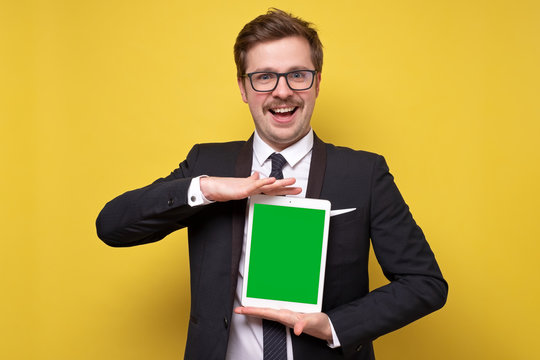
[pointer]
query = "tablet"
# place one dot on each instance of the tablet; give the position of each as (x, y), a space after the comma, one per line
(285, 255)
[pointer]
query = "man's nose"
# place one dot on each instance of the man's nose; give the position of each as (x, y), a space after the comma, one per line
(282, 89)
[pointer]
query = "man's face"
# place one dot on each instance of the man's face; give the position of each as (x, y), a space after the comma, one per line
(282, 116)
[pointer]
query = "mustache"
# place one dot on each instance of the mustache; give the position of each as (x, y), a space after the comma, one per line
(288, 103)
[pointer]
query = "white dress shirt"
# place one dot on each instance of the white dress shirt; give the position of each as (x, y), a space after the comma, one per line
(246, 334)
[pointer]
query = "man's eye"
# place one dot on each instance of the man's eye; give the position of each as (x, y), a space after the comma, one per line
(298, 76)
(264, 76)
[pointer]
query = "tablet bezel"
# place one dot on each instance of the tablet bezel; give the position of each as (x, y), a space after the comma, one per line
(296, 202)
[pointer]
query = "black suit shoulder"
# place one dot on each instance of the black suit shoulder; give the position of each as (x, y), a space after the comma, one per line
(212, 159)
(223, 148)
(348, 154)
(353, 169)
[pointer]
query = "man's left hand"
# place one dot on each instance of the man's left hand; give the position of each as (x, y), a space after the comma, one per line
(314, 324)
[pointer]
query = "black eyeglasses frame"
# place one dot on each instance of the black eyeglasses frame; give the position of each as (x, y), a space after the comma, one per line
(249, 75)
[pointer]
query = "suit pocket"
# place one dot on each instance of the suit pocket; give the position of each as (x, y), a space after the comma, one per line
(348, 238)
(346, 218)
(347, 258)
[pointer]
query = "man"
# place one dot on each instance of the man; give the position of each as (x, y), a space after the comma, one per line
(279, 63)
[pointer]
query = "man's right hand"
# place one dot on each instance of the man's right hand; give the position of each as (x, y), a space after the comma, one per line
(225, 188)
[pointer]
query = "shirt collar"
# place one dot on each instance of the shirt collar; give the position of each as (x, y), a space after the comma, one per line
(293, 154)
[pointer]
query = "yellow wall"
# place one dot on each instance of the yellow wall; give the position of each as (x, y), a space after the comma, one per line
(98, 97)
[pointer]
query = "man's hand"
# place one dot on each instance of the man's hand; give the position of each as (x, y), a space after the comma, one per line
(316, 324)
(225, 189)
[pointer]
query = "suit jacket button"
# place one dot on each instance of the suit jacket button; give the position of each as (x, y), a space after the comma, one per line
(359, 347)
(170, 202)
(225, 322)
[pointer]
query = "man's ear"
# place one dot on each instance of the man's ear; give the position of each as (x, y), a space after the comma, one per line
(318, 82)
(242, 87)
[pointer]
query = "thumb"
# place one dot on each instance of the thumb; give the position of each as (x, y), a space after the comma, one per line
(299, 327)
(254, 176)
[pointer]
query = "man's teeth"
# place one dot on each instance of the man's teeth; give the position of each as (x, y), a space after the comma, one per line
(283, 110)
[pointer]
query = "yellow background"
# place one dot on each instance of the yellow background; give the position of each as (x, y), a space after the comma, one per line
(98, 97)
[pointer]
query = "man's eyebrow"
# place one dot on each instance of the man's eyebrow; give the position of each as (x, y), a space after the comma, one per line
(293, 68)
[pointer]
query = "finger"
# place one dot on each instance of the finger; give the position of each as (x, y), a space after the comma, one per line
(283, 182)
(266, 185)
(286, 317)
(282, 191)
(266, 313)
(300, 326)
(254, 182)
(258, 186)
(286, 181)
(266, 181)
(254, 176)
(280, 184)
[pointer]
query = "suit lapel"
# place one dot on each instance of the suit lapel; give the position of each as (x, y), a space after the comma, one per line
(243, 169)
(317, 168)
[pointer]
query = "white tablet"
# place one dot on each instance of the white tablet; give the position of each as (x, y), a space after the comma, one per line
(285, 255)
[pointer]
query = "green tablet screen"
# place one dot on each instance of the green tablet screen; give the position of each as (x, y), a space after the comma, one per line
(285, 255)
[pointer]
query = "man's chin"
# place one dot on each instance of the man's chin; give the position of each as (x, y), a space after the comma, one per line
(284, 139)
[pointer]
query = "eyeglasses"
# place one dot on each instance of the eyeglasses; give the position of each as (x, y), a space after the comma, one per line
(267, 81)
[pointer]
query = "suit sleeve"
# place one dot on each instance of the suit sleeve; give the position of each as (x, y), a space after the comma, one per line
(150, 213)
(416, 285)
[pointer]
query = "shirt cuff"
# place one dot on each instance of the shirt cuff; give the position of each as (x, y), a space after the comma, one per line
(195, 195)
(335, 341)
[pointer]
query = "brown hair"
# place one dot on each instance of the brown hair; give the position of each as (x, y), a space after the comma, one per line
(274, 25)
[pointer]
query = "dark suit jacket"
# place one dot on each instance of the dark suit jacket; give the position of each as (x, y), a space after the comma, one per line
(349, 179)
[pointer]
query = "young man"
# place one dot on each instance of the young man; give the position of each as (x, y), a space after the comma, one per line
(279, 63)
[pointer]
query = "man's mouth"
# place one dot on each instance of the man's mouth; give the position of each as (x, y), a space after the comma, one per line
(284, 111)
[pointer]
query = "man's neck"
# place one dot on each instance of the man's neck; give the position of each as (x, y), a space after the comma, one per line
(292, 153)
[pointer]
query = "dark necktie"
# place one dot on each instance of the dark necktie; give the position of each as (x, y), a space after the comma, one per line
(274, 341)
(274, 333)
(278, 161)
